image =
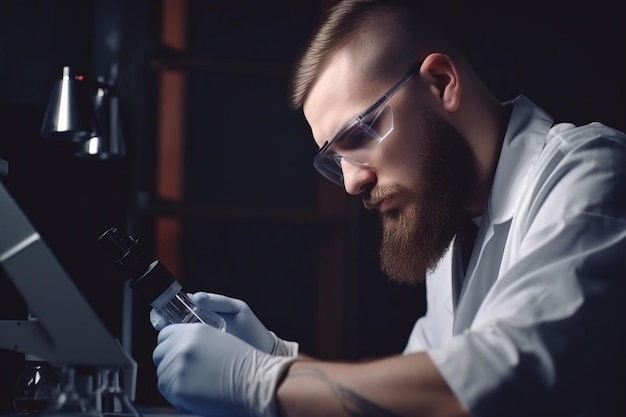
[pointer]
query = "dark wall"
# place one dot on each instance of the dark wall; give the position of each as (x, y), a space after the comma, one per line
(245, 149)
(566, 56)
(68, 200)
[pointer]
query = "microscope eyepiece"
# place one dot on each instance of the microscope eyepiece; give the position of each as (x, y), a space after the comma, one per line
(125, 252)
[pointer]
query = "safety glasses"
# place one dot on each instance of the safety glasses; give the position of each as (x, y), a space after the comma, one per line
(354, 142)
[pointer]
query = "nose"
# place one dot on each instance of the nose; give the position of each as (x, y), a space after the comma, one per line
(356, 177)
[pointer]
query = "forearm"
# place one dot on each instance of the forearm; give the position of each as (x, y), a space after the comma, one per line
(407, 385)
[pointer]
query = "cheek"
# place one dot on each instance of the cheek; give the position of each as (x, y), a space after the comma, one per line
(398, 161)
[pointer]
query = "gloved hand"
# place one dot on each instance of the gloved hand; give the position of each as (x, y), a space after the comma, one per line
(241, 322)
(204, 371)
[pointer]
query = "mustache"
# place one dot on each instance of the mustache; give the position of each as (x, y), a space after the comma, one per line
(377, 195)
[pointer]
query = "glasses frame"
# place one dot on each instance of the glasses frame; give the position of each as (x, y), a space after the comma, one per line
(337, 176)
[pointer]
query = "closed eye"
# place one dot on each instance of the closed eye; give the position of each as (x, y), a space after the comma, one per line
(353, 139)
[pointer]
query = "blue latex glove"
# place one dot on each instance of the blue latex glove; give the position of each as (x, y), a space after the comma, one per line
(204, 371)
(243, 323)
(240, 321)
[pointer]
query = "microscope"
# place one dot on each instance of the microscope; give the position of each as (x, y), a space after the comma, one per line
(98, 377)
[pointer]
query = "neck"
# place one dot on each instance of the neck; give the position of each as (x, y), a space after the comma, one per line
(485, 126)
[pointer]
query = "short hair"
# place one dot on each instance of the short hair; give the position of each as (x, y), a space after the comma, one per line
(408, 33)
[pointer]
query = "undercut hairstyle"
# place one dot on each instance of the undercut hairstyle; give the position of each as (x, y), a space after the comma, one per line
(405, 31)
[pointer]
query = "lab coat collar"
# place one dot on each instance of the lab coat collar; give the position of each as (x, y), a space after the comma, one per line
(523, 141)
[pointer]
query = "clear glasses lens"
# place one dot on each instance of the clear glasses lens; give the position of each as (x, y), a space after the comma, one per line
(354, 143)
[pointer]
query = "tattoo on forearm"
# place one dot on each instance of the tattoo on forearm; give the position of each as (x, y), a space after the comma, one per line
(353, 403)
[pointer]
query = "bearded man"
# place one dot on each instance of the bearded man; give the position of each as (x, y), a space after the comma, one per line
(516, 223)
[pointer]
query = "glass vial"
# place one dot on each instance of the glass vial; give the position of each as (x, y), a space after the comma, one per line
(176, 306)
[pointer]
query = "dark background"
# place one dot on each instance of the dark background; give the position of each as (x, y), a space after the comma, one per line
(248, 222)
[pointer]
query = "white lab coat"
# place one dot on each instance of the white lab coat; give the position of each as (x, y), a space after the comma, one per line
(537, 325)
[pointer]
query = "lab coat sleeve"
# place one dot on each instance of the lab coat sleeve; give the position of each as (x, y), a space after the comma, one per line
(551, 329)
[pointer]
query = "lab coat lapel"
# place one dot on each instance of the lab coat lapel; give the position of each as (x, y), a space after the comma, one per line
(480, 276)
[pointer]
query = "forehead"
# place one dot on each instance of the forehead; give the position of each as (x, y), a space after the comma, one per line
(342, 90)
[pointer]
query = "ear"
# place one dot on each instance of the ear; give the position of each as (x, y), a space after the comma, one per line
(442, 76)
